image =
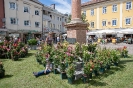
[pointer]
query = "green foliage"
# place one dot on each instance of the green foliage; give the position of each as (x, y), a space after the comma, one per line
(70, 70)
(62, 67)
(32, 42)
(116, 77)
(1, 43)
(83, 17)
(87, 68)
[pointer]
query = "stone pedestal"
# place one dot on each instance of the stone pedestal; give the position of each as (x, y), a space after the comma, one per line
(76, 29)
(76, 32)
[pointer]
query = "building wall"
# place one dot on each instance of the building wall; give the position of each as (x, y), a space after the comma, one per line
(1, 12)
(92, 18)
(127, 14)
(54, 22)
(21, 16)
(119, 15)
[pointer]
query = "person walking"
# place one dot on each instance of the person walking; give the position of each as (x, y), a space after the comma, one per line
(49, 39)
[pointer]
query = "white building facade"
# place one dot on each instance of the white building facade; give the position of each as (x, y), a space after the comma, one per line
(24, 18)
(53, 20)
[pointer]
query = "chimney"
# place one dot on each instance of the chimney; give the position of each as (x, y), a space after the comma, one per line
(52, 6)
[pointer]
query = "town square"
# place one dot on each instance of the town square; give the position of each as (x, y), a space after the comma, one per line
(66, 43)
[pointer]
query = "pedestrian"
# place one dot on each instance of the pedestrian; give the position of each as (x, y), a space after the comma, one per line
(49, 39)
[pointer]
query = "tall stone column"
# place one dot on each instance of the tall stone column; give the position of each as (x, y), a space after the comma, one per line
(76, 11)
(76, 29)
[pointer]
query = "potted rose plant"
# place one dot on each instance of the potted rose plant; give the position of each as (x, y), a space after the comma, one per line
(14, 55)
(70, 73)
(62, 70)
(87, 71)
(56, 60)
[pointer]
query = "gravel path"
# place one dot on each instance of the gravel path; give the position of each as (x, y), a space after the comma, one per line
(114, 46)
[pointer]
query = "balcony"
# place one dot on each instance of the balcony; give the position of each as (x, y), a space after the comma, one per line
(46, 17)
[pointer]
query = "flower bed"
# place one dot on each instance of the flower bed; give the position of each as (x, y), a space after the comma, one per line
(94, 59)
(13, 49)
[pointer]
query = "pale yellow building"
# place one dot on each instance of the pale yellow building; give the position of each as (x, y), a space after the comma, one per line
(109, 14)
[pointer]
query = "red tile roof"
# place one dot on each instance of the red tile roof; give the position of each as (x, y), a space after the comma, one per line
(93, 2)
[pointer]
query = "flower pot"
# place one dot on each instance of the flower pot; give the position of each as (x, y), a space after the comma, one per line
(71, 80)
(66, 65)
(83, 64)
(107, 66)
(95, 72)
(101, 70)
(90, 75)
(115, 63)
(63, 75)
(56, 71)
(84, 78)
(2, 74)
(33, 47)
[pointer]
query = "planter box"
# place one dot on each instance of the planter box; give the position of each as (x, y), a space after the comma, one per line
(33, 47)
(85, 78)
(107, 67)
(56, 71)
(2, 74)
(101, 70)
(115, 63)
(95, 72)
(71, 80)
(63, 75)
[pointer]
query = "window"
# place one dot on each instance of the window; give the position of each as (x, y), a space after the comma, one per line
(12, 5)
(92, 24)
(84, 12)
(128, 5)
(57, 18)
(13, 21)
(104, 23)
(26, 9)
(36, 12)
(114, 8)
(37, 24)
(60, 26)
(65, 20)
(92, 12)
(51, 16)
(53, 25)
(27, 23)
(114, 22)
(60, 19)
(104, 10)
(128, 21)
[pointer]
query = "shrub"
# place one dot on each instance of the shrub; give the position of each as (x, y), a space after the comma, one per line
(32, 42)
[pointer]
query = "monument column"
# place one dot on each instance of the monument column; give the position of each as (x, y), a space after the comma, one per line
(76, 29)
(76, 10)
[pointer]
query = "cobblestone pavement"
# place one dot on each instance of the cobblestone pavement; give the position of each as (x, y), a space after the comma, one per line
(114, 46)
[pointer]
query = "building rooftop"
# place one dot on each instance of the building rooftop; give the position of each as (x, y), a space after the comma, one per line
(92, 2)
(36, 1)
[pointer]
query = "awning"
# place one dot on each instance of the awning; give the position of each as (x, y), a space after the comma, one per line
(126, 31)
(2, 29)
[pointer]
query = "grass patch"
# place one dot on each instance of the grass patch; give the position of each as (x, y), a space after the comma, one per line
(19, 75)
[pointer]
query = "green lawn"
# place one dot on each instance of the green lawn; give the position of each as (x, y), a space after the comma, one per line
(19, 75)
